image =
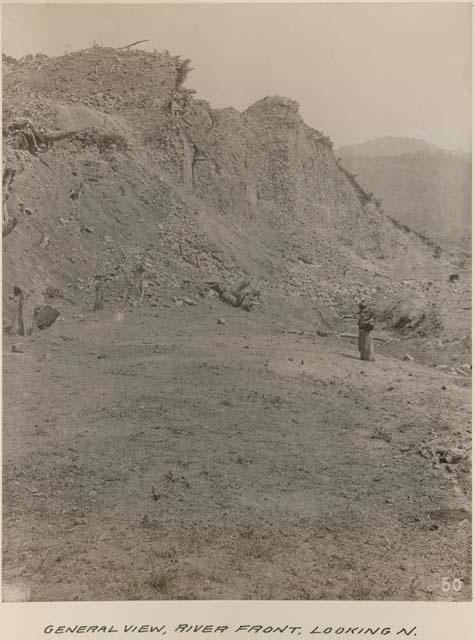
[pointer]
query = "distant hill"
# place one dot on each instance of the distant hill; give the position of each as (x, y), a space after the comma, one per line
(419, 184)
(390, 146)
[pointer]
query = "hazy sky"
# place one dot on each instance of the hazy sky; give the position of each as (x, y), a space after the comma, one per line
(358, 71)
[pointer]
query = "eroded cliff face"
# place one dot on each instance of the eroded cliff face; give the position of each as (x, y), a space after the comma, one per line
(266, 167)
(193, 192)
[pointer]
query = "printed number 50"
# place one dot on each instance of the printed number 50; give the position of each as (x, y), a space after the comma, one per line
(455, 585)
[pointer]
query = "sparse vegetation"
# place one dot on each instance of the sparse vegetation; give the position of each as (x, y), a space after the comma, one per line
(162, 582)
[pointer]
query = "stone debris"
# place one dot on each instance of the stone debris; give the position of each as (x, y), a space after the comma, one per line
(380, 435)
(451, 455)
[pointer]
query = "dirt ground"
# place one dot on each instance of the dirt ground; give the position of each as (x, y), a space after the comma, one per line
(161, 455)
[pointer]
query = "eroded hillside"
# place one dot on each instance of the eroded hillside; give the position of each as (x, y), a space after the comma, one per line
(149, 173)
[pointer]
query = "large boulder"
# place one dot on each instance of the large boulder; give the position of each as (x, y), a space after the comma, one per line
(45, 316)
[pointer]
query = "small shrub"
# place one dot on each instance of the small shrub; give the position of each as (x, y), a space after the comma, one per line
(161, 582)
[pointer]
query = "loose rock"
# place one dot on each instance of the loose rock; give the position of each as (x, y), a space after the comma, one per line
(45, 316)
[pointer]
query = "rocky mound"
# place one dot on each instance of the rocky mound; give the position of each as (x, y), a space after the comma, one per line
(103, 78)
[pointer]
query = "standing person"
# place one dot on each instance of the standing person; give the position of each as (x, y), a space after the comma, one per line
(138, 281)
(365, 340)
(99, 298)
(20, 323)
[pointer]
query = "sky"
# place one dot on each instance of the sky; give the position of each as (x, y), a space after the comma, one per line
(359, 71)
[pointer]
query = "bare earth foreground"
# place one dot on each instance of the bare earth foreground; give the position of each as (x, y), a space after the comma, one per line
(170, 457)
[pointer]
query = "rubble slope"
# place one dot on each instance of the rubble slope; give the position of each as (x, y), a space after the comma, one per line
(149, 174)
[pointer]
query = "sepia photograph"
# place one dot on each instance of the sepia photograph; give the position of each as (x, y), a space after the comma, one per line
(236, 297)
